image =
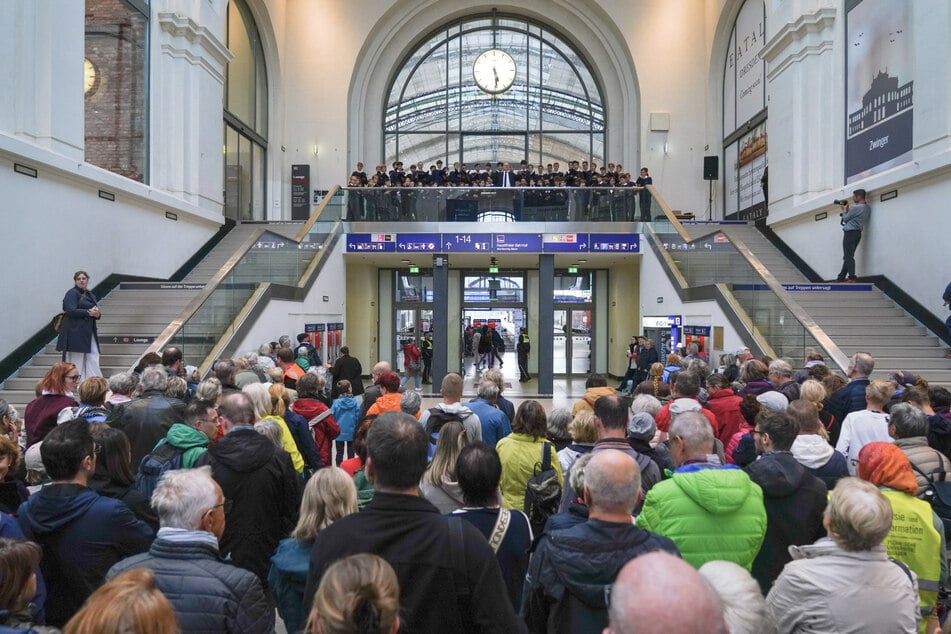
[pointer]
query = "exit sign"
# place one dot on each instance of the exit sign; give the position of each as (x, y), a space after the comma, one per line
(414, 269)
(572, 269)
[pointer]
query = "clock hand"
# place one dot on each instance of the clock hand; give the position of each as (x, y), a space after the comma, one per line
(495, 72)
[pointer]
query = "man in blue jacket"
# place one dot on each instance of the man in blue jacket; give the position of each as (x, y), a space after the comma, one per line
(565, 589)
(208, 593)
(82, 534)
(851, 398)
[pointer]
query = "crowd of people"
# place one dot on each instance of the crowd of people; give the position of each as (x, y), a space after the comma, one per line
(547, 190)
(755, 496)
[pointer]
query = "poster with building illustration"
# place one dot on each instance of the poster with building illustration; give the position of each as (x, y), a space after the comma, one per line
(879, 86)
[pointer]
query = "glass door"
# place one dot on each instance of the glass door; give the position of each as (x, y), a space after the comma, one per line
(571, 343)
(412, 324)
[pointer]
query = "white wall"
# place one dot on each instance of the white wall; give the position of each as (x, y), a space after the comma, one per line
(654, 284)
(282, 317)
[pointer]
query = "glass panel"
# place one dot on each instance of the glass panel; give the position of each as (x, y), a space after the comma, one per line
(414, 287)
(499, 288)
(240, 94)
(116, 104)
(258, 203)
(561, 343)
(573, 287)
(580, 342)
(232, 173)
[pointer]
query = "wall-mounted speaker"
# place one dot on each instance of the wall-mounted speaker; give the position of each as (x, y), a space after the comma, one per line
(711, 168)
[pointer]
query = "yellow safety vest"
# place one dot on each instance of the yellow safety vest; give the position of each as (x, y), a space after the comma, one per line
(915, 542)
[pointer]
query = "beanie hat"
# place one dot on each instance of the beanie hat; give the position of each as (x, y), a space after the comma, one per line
(641, 426)
(773, 401)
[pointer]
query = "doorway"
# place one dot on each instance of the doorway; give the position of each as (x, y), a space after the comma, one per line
(503, 320)
(411, 325)
(571, 343)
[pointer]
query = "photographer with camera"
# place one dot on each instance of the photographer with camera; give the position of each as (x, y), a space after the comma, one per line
(853, 219)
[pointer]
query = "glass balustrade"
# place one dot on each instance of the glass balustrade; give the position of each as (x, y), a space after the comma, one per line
(714, 259)
(495, 204)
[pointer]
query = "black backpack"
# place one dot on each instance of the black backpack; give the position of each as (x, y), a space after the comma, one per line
(938, 494)
(543, 492)
(164, 457)
(438, 418)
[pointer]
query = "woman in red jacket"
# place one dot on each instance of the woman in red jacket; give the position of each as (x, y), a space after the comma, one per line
(724, 402)
(321, 421)
(411, 357)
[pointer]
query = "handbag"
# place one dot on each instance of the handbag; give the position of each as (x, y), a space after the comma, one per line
(57, 322)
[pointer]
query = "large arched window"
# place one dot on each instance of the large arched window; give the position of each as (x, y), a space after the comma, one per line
(446, 103)
(744, 116)
(245, 118)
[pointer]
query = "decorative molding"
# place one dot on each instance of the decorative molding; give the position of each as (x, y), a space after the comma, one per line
(178, 25)
(806, 25)
(195, 60)
(800, 55)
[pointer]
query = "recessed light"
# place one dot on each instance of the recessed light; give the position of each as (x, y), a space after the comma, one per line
(581, 261)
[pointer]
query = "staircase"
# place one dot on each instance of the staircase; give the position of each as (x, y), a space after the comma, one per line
(134, 314)
(860, 318)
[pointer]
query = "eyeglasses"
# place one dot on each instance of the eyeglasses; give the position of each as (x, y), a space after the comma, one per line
(74, 377)
(226, 505)
(756, 431)
(96, 449)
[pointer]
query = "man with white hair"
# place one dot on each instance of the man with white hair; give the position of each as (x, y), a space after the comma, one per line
(710, 510)
(781, 376)
(373, 392)
(573, 568)
(208, 593)
(147, 419)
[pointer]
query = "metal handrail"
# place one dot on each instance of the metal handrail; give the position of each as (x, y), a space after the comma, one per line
(317, 212)
(803, 317)
(193, 306)
(797, 311)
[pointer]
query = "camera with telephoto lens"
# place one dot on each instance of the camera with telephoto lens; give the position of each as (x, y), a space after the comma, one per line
(844, 201)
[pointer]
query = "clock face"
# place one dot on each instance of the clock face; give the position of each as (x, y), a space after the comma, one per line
(90, 75)
(494, 71)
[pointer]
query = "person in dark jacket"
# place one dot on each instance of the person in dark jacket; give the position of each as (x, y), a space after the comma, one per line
(565, 589)
(850, 398)
(794, 498)
(349, 368)
(114, 476)
(78, 339)
(432, 555)
(640, 431)
(147, 419)
(373, 392)
(208, 593)
(56, 393)
(82, 533)
(262, 486)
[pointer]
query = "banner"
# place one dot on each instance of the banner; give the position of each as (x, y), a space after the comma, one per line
(879, 87)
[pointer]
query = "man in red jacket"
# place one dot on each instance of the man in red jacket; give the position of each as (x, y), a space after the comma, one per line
(685, 388)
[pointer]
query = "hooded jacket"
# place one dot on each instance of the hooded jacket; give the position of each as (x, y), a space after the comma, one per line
(190, 440)
(325, 431)
(389, 402)
(565, 589)
(346, 409)
(828, 589)
(815, 453)
(725, 405)
(470, 420)
(794, 500)
(710, 511)
(681, 405)
(82, 535)
(264, 491)
(590, 396)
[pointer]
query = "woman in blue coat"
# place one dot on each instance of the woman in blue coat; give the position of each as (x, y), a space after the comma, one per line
(78, 338)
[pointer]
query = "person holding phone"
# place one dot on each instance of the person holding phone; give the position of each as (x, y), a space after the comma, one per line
(79, 339)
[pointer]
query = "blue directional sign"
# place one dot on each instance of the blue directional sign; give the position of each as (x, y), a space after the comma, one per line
(518, 242)
(371, 242)
(467, 242)
(418, 242)
(566, 243)
(614, 242)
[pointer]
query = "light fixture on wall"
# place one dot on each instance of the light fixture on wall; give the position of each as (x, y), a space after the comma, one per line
(315, 150)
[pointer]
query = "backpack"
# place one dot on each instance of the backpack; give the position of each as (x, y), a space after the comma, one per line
(938, 494)
(164, 457)
(542, 492)
(438, 418)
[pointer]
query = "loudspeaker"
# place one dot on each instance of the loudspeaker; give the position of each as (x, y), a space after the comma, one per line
(711, 168)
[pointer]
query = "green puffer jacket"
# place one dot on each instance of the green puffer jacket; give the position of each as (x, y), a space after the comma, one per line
(190, 439)
(710, 511)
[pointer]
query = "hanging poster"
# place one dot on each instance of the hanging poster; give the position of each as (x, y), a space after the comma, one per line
(879, 86)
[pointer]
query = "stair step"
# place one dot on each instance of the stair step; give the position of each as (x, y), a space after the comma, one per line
(860, 322)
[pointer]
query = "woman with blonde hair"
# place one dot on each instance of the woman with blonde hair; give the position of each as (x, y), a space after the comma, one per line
(129, 604)
(359, 594)
(654, 385)
(329, 495)
(264, 409)
(814, 392)
(439, 484)
(584, 433)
